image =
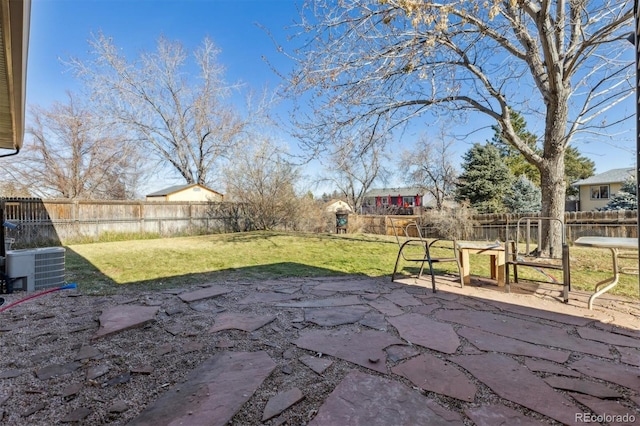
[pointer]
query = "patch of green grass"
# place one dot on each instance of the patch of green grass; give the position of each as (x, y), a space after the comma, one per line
(162, 263)
(171, 262)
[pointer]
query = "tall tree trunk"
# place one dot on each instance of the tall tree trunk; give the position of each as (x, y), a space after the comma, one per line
(553, 195)
(552, 182)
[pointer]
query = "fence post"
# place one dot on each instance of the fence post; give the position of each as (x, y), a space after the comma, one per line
(141, 214)
(3, 251)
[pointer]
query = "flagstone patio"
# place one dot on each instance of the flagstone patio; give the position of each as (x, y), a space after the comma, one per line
(371, 352)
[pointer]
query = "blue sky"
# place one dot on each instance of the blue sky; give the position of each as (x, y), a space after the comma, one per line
(61, 28)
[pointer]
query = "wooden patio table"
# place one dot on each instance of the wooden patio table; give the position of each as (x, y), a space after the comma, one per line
(495, 251)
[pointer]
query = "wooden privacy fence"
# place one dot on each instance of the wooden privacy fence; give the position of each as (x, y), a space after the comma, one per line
(54, 222)
(620, 223)
(491, 227)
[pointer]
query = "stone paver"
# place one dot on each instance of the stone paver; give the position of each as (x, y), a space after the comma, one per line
(423, 331)
(123, 317)
(386, 307)
(624, 375)
(507, 378)
(53, 370)
(366, 400)
(402, 298)
(549, 367)
(452, 306)
(204, 293)
(333, 316)
(212, 393)
(268, 297)
(71, 390)
(425, 309)
(609, 338)
(435, 375)
(349, 286)
(397, 353)
(635, 333)
(97, 371)
(582, 386)
(77, 415)
(319, 365)
(323, 303)
(498, 415)
(365, 348)
(240, 321)
(629, 356)
(374, 320)
(281, 402)
(87, 352)
(11, 373)
(526, 330)
(493, 342)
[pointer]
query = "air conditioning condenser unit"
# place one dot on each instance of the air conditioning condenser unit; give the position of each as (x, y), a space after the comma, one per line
(37, 269)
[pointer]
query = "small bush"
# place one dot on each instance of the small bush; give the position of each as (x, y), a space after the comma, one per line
(310, 216)
(449, 223)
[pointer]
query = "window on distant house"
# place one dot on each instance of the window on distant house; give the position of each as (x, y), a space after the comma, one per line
(408, 201)
(600, 192)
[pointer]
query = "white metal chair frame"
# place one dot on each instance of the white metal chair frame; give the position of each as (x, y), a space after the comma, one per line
(405, 240)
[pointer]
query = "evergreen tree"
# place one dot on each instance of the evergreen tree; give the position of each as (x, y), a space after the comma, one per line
(518, 165)
(524, 196)
(625, 199)
(485, 179)
(576, 165)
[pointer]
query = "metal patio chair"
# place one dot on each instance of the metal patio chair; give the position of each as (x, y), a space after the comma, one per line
(413, 247)
(520, 252)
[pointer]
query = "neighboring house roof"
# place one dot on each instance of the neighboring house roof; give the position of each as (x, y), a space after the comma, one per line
(394, 192)
(14, 42)
(177, 188)
(610, 176)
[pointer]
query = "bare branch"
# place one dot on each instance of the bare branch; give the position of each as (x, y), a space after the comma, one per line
(380, 65)
(184, 120)
(73, 153)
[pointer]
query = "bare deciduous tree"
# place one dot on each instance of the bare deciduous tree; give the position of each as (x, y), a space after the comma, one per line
(428, 166)
(262, 179)
(71, 152)
(184, 119)
(353, 167)
(381, 64)
(11, 188)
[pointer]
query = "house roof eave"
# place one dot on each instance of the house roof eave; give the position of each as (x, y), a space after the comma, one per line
(15, 16)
